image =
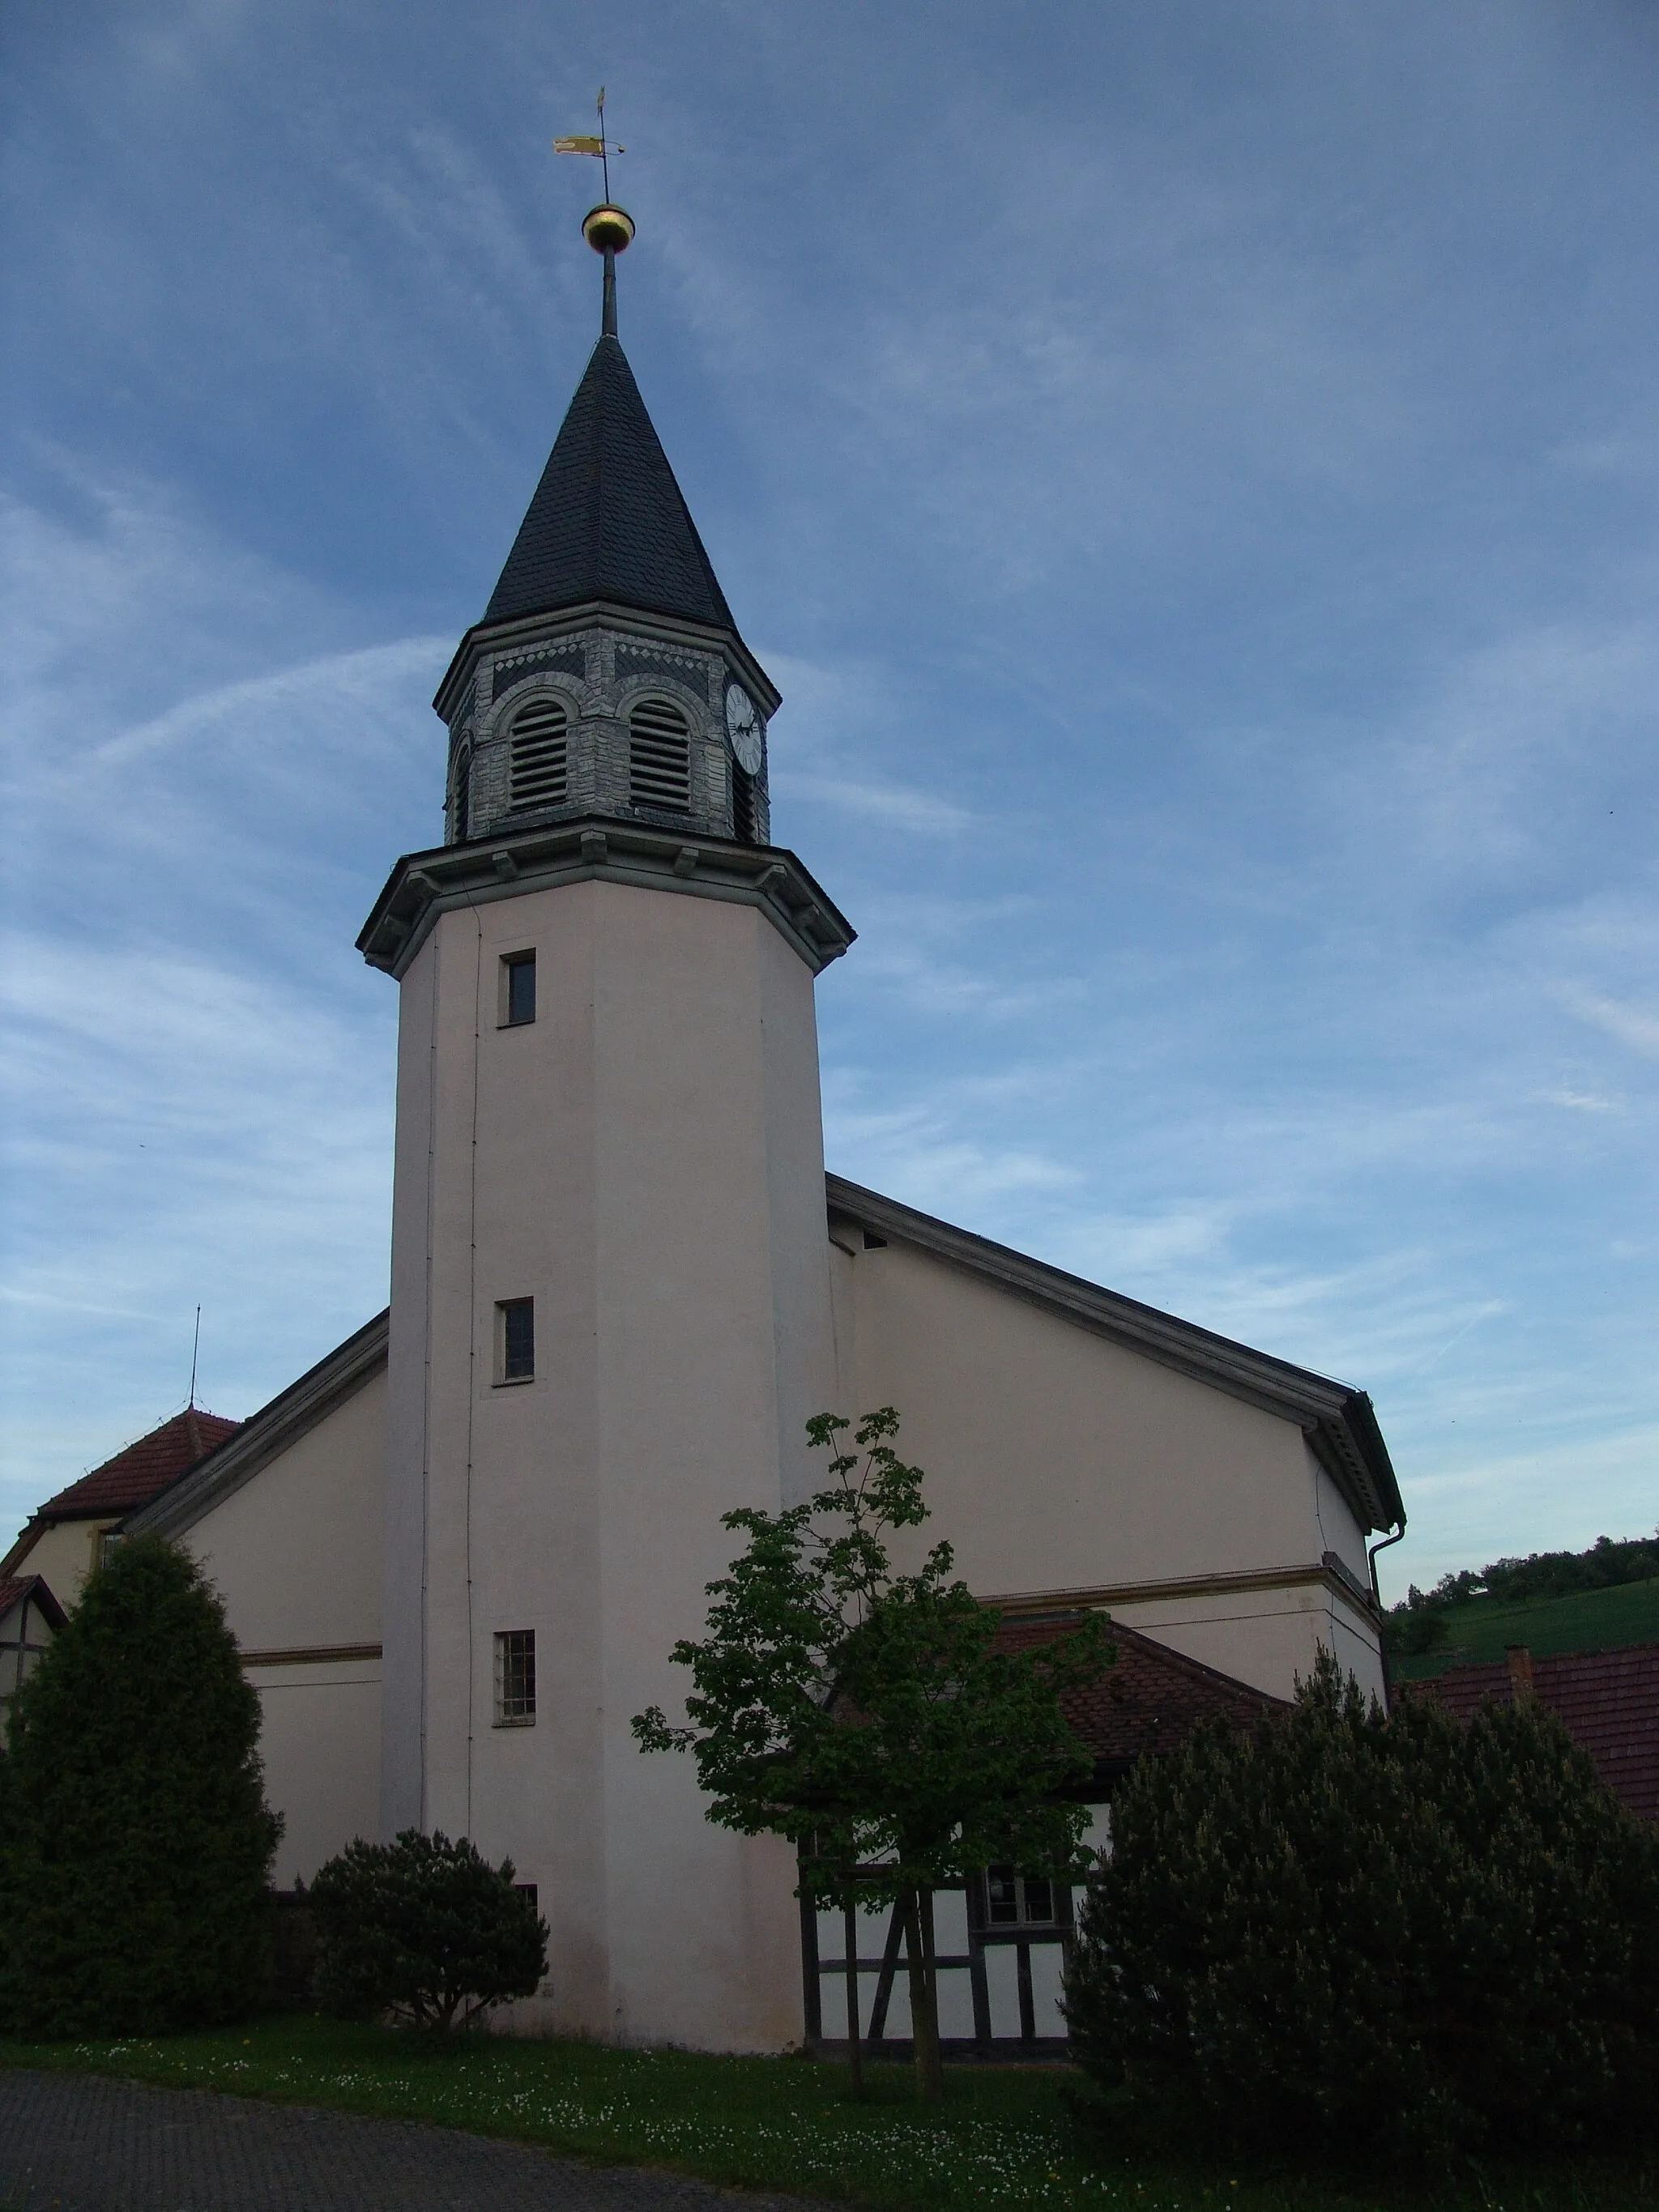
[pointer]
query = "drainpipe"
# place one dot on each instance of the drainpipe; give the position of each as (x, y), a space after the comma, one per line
(1371, 1555)
(1377, 1596)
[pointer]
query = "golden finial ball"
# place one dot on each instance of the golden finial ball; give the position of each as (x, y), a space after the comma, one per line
(608, 229)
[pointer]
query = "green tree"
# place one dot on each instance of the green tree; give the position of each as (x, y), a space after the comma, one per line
(868, 1716)
(1371, 1932)
(425, 1930)
(135, 1844)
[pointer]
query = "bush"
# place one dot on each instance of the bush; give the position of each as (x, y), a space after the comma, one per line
(1374, 1933)
(424, 1930)
(135, 1845)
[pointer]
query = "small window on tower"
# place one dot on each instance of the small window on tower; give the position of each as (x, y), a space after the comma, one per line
(515, 1677)
(517, 989)
(515, 1341)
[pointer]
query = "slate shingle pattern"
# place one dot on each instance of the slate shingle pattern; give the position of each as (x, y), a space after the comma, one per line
(1609, 1701)
(608, 520)
(1150, 1700)
(140, 1472)
(78, 2144)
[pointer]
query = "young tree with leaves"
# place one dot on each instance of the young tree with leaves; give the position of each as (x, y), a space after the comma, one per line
(135, 1845)
(869, 1716)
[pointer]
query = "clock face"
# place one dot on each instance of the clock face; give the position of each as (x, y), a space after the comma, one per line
(743, 727)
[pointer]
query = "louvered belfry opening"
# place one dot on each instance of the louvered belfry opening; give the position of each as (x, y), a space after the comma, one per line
(537, 755)
(659, 756)
(463, 795)
(743, 805)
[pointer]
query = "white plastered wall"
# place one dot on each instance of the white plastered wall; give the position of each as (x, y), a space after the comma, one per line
(1058, 1459)
(64, 1554)
(296, 1552)
(644, 1162)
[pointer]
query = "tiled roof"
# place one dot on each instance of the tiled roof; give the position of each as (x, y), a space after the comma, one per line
(607, 521)
(1150, 1700)
(1609, 1701)
(136, 1475)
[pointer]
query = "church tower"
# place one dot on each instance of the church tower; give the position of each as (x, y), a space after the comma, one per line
(610, 1282)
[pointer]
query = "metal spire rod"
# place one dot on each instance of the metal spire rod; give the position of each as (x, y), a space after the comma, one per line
(607, 228)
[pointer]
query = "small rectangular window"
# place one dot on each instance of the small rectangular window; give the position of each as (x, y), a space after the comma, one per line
(516, 1340)
(515, 1677)
(517, 989)
(1013, 1900)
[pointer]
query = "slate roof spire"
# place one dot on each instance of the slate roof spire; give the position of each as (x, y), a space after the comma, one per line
(608, 520)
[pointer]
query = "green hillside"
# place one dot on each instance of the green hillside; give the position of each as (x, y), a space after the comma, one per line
(1588, 1620)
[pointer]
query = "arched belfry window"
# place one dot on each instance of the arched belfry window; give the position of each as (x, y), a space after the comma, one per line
(659, 756)
(538, 759)
(461, 808)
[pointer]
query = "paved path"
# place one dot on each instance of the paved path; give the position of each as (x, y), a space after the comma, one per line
(69, 2143)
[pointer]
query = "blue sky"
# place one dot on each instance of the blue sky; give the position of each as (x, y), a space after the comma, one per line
(1191, 469)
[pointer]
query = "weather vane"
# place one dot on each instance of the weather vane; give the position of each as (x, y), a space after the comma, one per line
(600, 146)
(607, 228)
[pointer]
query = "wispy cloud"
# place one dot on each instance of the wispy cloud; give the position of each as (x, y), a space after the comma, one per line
(1632, 1025)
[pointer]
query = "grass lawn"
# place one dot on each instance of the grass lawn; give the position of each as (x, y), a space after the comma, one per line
(1588, 1620)
(1007, 2137)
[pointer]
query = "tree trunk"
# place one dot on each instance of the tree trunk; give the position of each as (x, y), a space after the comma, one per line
(924, 2002)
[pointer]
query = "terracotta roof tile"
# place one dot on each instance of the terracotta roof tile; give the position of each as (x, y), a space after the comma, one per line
(1609, 1701)
(1150, 1700)
(140, 1472)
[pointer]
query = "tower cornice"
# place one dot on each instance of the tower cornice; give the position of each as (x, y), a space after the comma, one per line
(486, 638)
(424, 885)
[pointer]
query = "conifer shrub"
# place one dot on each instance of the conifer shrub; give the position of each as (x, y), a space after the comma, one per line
(1354, 1932)
(135, 1844)
(424, 1930)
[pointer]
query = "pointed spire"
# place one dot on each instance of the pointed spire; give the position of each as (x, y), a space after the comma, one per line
(608, 520)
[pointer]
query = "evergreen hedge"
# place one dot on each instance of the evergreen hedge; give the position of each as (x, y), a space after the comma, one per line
(424, 1930)
(135, 1845)
(1358, 1932)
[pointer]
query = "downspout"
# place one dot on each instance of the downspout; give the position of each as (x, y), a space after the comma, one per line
(1376, 1597)
(1376, 1593)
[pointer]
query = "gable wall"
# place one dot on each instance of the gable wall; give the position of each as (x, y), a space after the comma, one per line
(296, 1555)
(64, 1553)
(1058, 1459)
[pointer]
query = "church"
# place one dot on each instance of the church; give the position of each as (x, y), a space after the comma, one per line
(457, 1552)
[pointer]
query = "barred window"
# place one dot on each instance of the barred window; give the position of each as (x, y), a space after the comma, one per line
(538, 770)
(659, 756)
(515, 1677)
